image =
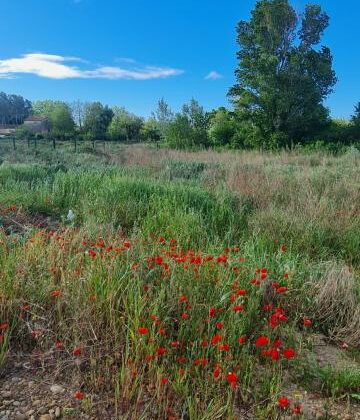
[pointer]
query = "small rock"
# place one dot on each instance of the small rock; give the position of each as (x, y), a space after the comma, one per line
(36, 402)
(29, 413)
(57, 412)
(56, 389)
(42, 410)
(20, 416)
(16, 403)
(46, 417)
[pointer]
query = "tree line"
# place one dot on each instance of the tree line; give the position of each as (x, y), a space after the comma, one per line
(283, 76)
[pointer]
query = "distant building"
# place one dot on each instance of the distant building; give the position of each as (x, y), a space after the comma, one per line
(37, 124)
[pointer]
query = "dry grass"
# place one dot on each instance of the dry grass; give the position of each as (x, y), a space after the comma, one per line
(337, 304)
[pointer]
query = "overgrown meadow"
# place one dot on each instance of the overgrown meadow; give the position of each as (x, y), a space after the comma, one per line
(181, 284)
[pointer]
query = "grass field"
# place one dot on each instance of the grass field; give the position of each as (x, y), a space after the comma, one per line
(183, 284)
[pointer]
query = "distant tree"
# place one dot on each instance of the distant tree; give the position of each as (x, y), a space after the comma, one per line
(355, 120)
(97, 120)
(163, 116)
(282, 79)
(59, 115)
(78, 109)
(125, 126)
(222, 127)
(14, 109)
(189, 127)
(61, 121)
(151, 131)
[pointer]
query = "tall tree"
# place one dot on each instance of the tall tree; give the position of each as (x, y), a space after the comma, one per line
(78, 109)
(125, 125)
(14, 109)
(97, 120)
(163, 116)
(59, 115)
(282, 77)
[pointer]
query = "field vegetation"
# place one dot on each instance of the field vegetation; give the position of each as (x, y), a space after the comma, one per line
(182, 284)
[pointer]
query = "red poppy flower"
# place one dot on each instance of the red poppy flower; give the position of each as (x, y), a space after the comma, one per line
(242, 339)
(164, 381)
(241, 292)
(56, 293)
(275, 354)
(77, 351)
(283, 402)
(184, 316)
(261, 341)
(307, 322)
(219, 325)
(277, 343)
(216, 373)
(160, 351)
(181, 359)
(297, 409)
(175, 344)
(143, 330)
(212, 312)
(224, 347)
(215, 339)
(289, 353)
(4, 326)
(283, 248)
(183, 298)
(282, 289)
(59, 345)
(238, 308)
(127, 244)
(79, 395)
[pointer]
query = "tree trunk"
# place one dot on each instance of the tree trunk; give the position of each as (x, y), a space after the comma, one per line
(14, 144)
(54, 145)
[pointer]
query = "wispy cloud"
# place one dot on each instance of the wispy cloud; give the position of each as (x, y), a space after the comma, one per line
(213, 75)
(60, 67)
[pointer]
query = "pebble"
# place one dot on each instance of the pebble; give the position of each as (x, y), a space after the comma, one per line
(42, 410)
(16, 403)
(46, 417)
(20, 416)
(57, 412)
(56, 389)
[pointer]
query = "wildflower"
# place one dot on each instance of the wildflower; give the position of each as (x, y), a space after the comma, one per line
(143, 330)
(275, 354)
(1, 338)
(183, 298)
(160, 351)
(261, 341)
(212, 312)
(127, 244)
(219, 325)
(297, 409)
(283, 248)
(181, 359)
(77, 351)
(283, 402)
(241, 292)
(175, 344)
(231, 378)
(285, 276)
(224, 347)
(56, 293)
(216, 373)
(238, 308)
(164, 381)
(289, 353)
(79, 395)
(59, 345)
(215, 339)
(4, 326)
(307, 322)
(184, 316)
(282, 289)
(242, 339)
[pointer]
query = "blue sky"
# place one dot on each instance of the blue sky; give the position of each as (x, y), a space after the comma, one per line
(132, 52)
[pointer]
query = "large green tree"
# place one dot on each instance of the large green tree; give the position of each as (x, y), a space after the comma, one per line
(125, 126)
(59, 115)
(283, 75)
(13, 109)
(97, 119)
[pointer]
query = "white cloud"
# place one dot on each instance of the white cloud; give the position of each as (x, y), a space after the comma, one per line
(59, 67)
(213, 75)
